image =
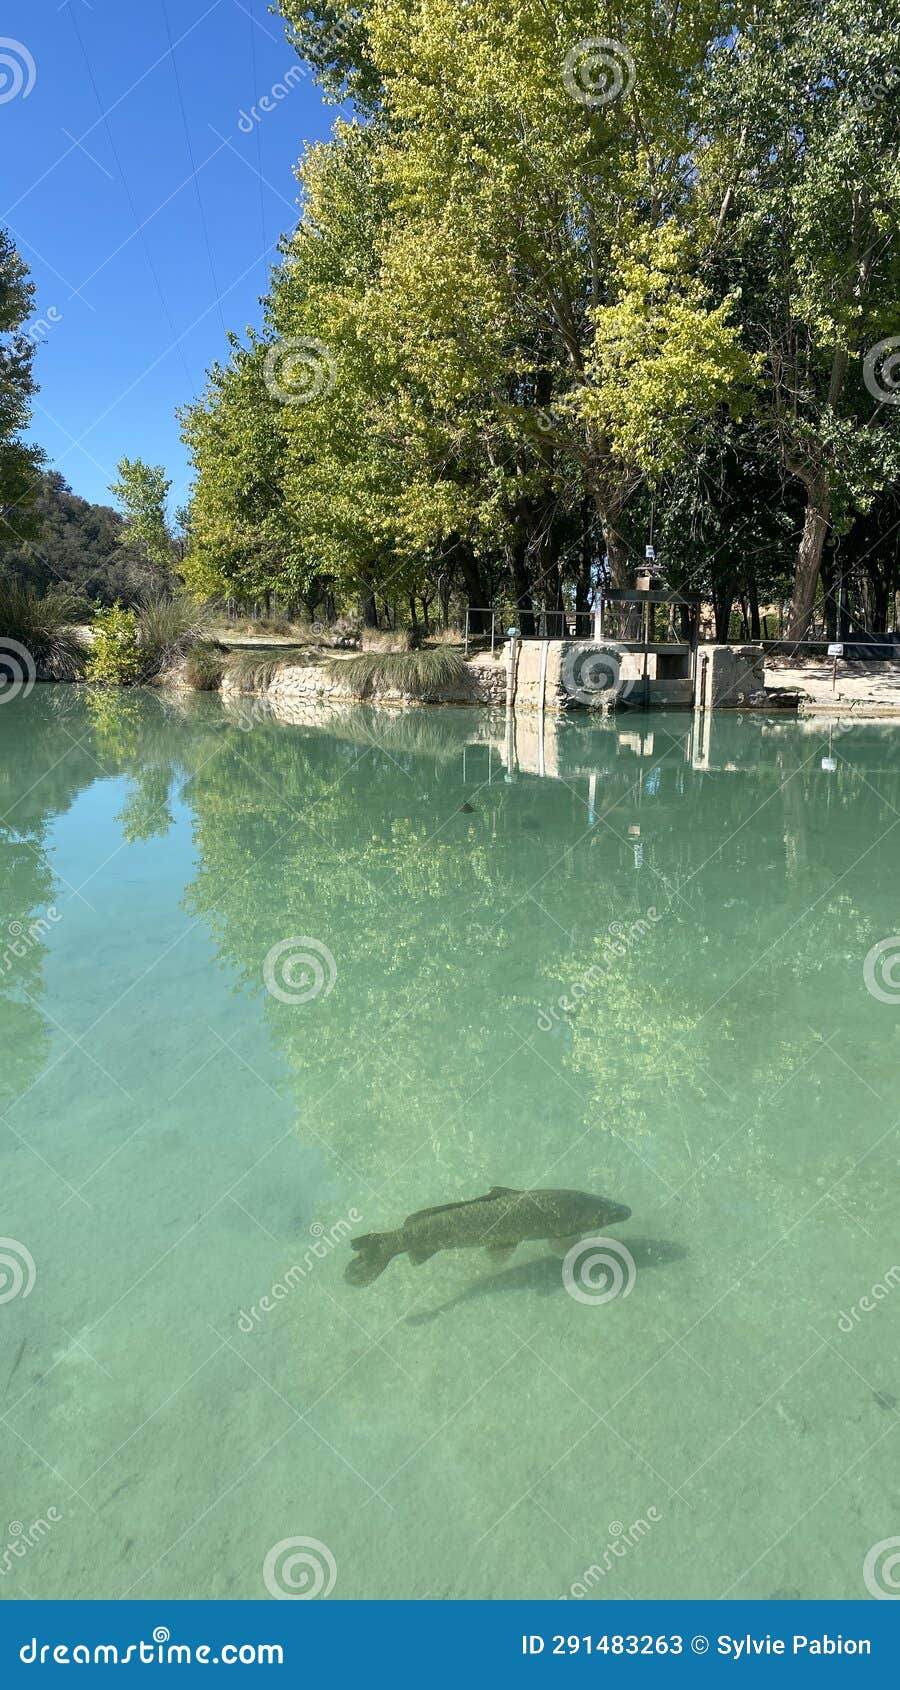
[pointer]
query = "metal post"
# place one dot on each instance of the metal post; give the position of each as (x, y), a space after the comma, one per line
(511, 667)
(467, 631)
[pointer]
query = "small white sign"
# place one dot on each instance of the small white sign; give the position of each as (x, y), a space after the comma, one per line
(835, 651)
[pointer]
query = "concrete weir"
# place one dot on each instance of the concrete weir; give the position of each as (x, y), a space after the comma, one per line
(546, 675)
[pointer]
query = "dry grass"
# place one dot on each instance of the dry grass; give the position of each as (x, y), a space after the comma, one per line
(168, 625)
(205, 665)
(417, 674)
(386, 639)
(254, 671)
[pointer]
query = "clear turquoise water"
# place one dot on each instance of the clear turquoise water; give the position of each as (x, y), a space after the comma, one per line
(175, 1140)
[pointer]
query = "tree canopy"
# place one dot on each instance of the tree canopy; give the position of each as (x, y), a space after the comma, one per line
(18, 463)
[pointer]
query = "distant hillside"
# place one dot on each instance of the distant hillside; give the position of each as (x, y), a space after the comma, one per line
(77, 545)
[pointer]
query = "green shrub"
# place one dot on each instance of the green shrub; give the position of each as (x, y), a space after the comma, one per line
(116, 655)
(204, 665)
(418, 674)
(44, 626)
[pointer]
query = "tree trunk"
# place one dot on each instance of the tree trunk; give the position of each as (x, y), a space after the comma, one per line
(368, 606)
(723, 600)
(880, 602)
(585, 560)
(809, 557)
(522, 589)
(472, 582)
(621, 570)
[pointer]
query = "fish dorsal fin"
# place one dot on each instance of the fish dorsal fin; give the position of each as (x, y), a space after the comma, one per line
(468, 1203)
(439, 1209)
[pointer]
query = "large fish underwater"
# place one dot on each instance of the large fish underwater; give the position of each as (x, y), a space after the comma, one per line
(497, 1222)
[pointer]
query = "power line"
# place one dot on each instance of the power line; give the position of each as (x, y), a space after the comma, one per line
(262, 203)
(147, 253)
(194, 175)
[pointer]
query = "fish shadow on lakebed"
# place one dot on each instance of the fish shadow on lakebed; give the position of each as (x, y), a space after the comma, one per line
(544, 1276)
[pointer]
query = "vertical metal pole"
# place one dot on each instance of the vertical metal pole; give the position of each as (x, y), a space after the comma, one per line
(511, 667)
(467, 630)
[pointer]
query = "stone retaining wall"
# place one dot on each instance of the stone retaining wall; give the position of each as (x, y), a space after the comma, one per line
(553, 675)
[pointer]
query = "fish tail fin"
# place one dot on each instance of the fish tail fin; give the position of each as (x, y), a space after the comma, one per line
(375, 1250)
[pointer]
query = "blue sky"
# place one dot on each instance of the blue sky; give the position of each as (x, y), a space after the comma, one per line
(147, 208)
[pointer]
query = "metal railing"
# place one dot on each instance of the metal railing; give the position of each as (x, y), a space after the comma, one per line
(535, 624)
(857, 647)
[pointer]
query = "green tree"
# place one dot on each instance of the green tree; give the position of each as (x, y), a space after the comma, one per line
(142, 490)
(18, 463)
(806, 171)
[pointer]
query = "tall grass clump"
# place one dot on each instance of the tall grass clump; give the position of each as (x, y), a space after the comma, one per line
(254, 670)
(168, 626)
(386, 639)
(418, 674)
(44, 628)
(205, 664)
